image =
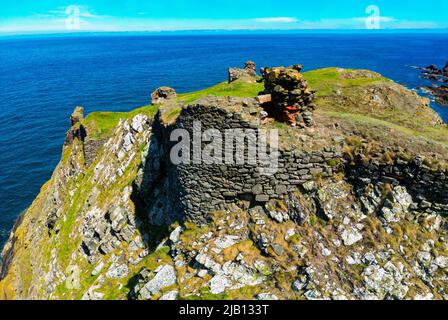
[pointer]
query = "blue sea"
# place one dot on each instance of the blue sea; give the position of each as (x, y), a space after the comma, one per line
(42, 78)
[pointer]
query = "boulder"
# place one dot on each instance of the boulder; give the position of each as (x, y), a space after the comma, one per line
(162, 94)
(350, 236)
(165, 277)
(219, 284)
(396, 207)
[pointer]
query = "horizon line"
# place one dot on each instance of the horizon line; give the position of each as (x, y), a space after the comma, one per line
(198, 31)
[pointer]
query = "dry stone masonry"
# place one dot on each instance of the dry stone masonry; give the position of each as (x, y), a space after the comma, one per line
(196, 190)
(193, 191)
(291, 97)
(248, 73)
(428, 187)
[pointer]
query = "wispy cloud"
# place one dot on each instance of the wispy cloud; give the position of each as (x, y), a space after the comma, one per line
(381, 19)
(277, 20)
(62, 12)
(55, 21)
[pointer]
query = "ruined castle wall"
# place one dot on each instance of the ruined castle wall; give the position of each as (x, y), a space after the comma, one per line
(192, 191)
(201, 188)
(428, 187)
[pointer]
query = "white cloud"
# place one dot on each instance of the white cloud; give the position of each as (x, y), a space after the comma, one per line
(381, 19)
(55, 21)
(61, 12)
(277, 20)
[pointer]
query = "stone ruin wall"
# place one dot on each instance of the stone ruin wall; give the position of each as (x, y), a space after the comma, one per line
(428, 187)
(197, 190)
(193, 191)
(200, 189)
(289, 97)
(247, 74)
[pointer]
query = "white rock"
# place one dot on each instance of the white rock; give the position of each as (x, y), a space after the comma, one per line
(289, 233)
(354, 258)
(428, 296)
(117, 271)
(241, 275)
(313, 295)
(219, 284)
(394, 210)
(175, 235)
(337, 243)
(350, 236)
(138, 122)
(225, 242)
(202, 273)
(164, 278)
(441, 262)
(300, 283)
(424, 258)
(171, 295)
(326, 252)
(267, 296)
(381, 282)
(208, 262)
(98, 268)
(369, 258)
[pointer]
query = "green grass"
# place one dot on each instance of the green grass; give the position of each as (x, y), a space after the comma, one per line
(327, 81)
(224, 89)
(434, 134)
(159, 257)
(99, 124)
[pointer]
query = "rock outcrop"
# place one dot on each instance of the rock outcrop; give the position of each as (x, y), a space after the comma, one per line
(439, 88)
(77, 131)
(163, 94)
(247, 74)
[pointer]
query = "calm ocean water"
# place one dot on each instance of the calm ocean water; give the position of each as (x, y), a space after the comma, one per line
(43, 78)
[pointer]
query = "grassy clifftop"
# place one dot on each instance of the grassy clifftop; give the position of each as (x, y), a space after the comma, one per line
(361, 97)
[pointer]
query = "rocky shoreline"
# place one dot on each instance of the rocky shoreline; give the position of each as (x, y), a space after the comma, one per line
(439, 79)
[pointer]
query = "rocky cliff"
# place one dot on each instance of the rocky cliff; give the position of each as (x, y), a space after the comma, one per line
(356, 208)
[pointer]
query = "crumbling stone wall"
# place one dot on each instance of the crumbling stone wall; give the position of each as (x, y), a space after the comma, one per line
(428, 187)
(195, 190)
(248, 73)
(291, 98)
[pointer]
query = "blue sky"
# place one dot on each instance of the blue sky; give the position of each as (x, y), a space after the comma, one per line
(23, 16)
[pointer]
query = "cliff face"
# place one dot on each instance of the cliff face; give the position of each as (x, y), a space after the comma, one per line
(355, 209)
